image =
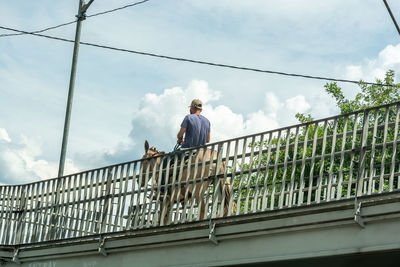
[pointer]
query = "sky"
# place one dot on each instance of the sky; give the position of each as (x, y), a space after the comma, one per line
(122, 99)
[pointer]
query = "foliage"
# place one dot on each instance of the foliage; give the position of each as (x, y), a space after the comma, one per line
(370, 96)
(268, 174)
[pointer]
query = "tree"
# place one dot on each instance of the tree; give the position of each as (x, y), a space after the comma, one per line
(370, 96)
(322, 140)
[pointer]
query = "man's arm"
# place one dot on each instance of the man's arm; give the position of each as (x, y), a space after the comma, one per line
(208, 137)
(180, 135)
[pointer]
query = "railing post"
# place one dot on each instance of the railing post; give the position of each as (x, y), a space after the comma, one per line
(106, 201)
(21, 215)
(217, 187)
(361, 169)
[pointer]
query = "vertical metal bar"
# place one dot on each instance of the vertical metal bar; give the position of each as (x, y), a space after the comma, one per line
(311, 177)
(233, 176)
(283, 178)
(353, 144)
(79, 205)
(333, 149)
(10, 235)
(385, 131)
(277, 151)
(47, 213)
(2, 211)
(203, 185)
(142, 173)
(96, 200)
(110, 199)
(75, 205)
(132, 204)
(226, 184)
(266, 183)
(43, 214)
(294, 165)
(218, 189)
(394, 152)
(35, 212)
(372, 160)
(257, 179)
(249, 178)
(67, 220)
(122, 188)
(7, 213)
(166, 187)
(20, 222)
(361, 165)
(158, 185)
(91, 203)
(178, 159)
(29, 214)
(188, 186)
(104, 211)
(179, 185)
(85, 204)
(322, 165)
(241, 176)
(196, 197)
(303, 166)
(152, 177)
(342, 150)
(208, 174)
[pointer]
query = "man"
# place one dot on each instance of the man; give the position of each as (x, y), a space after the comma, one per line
(195, 127)
(195, 131)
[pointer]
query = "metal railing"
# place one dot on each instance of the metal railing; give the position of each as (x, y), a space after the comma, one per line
(345, 156)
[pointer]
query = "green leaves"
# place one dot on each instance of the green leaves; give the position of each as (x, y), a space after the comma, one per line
(370, 96)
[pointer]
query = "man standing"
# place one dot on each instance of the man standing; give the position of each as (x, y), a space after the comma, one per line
(195, 131)
(195, 127)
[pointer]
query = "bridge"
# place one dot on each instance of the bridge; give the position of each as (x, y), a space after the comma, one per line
(322, 192)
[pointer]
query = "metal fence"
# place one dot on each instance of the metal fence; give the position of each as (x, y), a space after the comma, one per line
(345, 156)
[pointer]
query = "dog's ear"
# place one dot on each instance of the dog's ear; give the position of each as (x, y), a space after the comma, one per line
(146, 146)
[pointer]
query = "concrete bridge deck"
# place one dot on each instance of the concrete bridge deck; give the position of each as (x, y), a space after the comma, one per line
(285, 237)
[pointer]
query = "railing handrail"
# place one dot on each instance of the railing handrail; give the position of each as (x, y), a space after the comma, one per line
(297, 165)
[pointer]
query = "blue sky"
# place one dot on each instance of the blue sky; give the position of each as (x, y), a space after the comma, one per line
(122, 99)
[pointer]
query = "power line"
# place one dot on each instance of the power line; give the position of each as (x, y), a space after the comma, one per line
(72, 22)
(196, 61)
(116, 9)
(391, 15)
(39, 31)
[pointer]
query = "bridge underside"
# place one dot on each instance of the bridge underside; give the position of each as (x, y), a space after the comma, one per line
(324, 234)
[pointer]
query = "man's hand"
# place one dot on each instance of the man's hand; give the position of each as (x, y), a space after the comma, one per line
(180, 141)
(180, 135)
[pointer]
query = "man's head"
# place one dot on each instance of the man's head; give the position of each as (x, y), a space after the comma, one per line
(196, 106)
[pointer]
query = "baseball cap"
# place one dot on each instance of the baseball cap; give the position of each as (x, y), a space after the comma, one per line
(197, 104)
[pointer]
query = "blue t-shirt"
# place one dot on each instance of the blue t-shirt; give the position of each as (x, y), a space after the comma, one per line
(197, 129)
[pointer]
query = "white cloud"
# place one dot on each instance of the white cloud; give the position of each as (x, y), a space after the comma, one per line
(159, 116)
(388, 58)
(20, 162)
(297, 104)
(156, 119)
(4, 135)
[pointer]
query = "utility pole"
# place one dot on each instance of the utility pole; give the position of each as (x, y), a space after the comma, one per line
(81, 16)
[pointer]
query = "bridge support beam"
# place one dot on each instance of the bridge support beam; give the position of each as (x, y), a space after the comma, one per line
(326, 229)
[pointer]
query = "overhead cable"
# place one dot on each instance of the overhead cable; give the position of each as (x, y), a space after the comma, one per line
(391, 15)
(116, 9)
(196, 61)
(72, 22)
(39, 31)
